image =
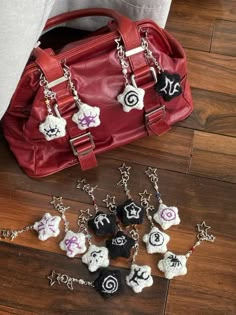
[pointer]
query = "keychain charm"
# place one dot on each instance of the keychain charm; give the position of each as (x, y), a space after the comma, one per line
(129, 212)
(156, 240)
(140, 276)
(108, 282)
(54, 126)
(120, 245)
(102, 224)
(47, 227)
(132, 97)
(166, 216)
(175, 265)
(168, 85)
(96, 257)
(87, 116)
(74, 243)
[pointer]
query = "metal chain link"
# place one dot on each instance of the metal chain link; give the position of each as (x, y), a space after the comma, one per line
(149, 53)
(12, 234)
(123, 60)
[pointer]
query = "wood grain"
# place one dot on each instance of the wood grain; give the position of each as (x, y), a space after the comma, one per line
(214, 156)
(213, 112)
(224, 38)
(24, 286)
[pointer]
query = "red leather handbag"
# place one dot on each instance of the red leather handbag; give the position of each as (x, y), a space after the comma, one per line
(122, 82)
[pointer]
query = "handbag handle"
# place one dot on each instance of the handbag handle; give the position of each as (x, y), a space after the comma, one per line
(126, 27)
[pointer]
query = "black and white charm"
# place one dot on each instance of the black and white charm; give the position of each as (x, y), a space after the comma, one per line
(87, 116)
(168, 85)
(129, 212)
(131, 98)
(108, 282)
(175, 265)
(96, 257)
(53, 127)
(139, 278)
(166, 216)
(120, 245)
(102, 223)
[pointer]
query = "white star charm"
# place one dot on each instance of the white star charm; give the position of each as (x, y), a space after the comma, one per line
(156, 241)
(166, 216)
(73, 243)
(53, 127)
(87, 116)
(131, 98)
(96, 257)
(47, 227)
(139, 278)
(173, 265)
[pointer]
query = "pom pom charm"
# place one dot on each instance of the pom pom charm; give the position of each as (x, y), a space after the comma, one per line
(108, 282)
(156, 241)
(139, 278)
(168, 85)
(129, 212)
(96, 257)
(175, 265)
(166, 216)
(87, 116)
(102, 224)
(131, 98)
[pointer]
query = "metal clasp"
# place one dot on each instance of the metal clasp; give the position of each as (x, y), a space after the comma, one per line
(153, 71)
(90, 138)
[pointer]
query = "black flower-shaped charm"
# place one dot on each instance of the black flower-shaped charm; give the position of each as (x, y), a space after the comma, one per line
(120, 245)
(130, 213)
(168, 85)
(103, 224)
(108, 282)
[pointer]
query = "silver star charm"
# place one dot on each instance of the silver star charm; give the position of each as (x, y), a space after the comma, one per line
(139, 278)
(156, 241)
(47, 227)
(145, 196)
(166, 216)
(131, 98)
(124, 169)
(96, 257)
(173, 265)
(109, 201)
(73, 243)
(87, 116)
(53, 127)
(151, 172)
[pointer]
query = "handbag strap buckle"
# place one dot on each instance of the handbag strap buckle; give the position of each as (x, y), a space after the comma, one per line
(82, 144)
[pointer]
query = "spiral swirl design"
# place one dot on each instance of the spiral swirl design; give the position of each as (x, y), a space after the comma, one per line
(110, 285)
(168, 214)
(131, 98)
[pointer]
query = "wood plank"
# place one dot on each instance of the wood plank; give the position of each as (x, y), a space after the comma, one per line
(212, 72)
(224, 9)
(213, 112)
(25, 287)
(191, 30)
(224, 38)
(211, 150)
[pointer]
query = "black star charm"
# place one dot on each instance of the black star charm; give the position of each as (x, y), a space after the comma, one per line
(120, 245)
(130, 213)
(103, 224)
(168, 85)
(108, 283)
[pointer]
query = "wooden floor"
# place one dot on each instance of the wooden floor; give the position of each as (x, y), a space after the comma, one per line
(196, 164)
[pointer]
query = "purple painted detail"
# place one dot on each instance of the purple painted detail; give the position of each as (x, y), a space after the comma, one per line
(87, 120)
(168, 214)
(70, 242)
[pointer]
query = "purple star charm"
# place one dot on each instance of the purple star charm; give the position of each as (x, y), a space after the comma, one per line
(73, 243)
(47, 227)
(166, 216)
(87, 116)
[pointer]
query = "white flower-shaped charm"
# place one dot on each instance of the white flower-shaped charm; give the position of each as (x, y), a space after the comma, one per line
(156, 241)
(173, 265)
(47, 227)
(139, 278)
(87, 116)
(73, 243)
(96, 257)
(131, 98)
(53, 127)
(166, 216)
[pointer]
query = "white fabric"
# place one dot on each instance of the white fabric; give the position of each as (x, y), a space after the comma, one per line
(21, 23)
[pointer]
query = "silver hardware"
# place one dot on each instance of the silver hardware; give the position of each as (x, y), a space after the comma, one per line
(12, 234)
(132, 78)
(134, 51)
(145, 202)
(57, 81)
(124, 171)
(149, 54)
(122, 55)
(162, 108)
(88, 134)
(152, 175)
(84, 186)
(59, 206)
